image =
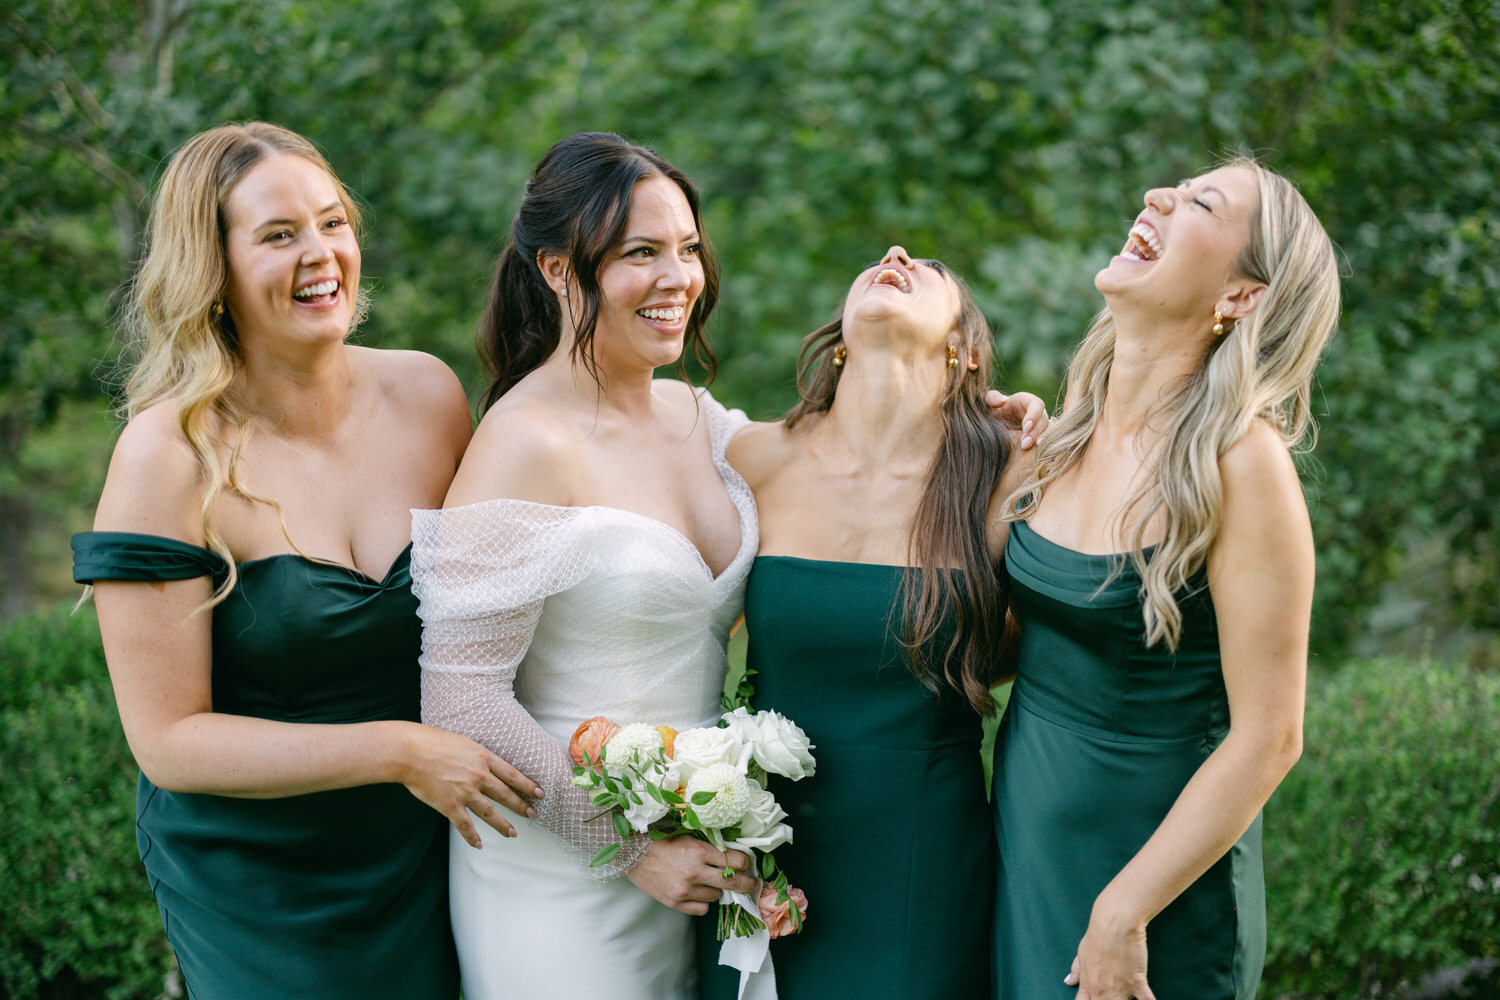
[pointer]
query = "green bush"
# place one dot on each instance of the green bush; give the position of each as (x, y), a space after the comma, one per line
(1383, 845)
(78, 919)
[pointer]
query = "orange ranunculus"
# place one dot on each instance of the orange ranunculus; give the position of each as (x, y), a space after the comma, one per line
(778, 916)
(590, 736)
(668, 739)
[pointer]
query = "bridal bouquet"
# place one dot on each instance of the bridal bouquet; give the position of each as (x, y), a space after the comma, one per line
(709, 783)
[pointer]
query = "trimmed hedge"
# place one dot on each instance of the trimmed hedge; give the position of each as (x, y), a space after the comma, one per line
(78, 919)
(1383, 845)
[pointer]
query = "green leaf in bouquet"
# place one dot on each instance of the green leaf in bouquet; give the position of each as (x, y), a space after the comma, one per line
(622, 825)
(767, 866)
(605, 855)
(670, 797)
(625, 780)
(703, 798)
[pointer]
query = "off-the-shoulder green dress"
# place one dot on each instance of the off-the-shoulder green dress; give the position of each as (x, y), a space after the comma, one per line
(892, 834)
(1098, 740)
(338, 894)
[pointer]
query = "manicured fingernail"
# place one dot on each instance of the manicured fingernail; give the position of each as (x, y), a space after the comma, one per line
(1026, 426)
(531, 812)
(1026, 442)
(537, 792)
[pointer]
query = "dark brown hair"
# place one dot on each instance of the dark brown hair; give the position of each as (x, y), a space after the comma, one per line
(577, 204)
(948, 552)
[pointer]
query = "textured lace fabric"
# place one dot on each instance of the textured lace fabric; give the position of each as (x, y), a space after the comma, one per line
(537, 617)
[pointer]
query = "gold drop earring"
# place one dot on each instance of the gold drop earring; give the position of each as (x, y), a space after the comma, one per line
(952, 356)
(1218, 323)
(839, 354)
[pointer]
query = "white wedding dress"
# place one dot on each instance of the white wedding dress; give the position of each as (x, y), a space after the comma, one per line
(536, 618)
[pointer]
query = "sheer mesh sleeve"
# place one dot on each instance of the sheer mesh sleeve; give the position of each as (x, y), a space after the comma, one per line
(481, 574)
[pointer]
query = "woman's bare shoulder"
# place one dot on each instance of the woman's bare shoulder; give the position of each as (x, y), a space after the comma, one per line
(155, 484)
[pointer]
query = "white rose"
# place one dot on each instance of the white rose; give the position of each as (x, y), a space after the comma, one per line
(761, 826)
(778, 744)
(642, 814)
(650, 809)
(695, 749)
(731, 795)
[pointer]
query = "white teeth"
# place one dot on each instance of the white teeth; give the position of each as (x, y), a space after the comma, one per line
(313, 291)
(900, 281)
(1148, 236)
(671, 315)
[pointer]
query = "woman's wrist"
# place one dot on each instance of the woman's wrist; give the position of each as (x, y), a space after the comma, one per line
(1115, 913)
(395, 739)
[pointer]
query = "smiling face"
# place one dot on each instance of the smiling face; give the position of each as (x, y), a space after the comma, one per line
(1182, 253)
(914, 298)
(650, 282)
(293, 257)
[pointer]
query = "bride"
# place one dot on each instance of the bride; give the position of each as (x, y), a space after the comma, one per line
(589, 560)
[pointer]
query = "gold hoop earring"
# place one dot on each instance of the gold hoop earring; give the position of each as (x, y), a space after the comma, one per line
(952, 356)
(839, 354)
(1218, 323)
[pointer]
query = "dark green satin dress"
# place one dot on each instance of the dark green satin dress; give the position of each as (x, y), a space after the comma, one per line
(1099, 738)
(338, 894)
(892, 834)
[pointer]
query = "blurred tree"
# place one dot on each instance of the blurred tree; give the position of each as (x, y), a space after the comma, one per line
(1013, 140)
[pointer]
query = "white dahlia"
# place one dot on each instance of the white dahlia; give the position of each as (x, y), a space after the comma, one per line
(731, 795)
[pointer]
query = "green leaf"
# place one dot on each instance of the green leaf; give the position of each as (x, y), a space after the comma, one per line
(605, 855)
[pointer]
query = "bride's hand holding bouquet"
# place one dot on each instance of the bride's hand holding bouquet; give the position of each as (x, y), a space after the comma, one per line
(708, 783)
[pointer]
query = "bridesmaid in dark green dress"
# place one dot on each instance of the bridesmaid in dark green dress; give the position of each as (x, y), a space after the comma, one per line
(876, 537)
(251, 576)
(1162, 577)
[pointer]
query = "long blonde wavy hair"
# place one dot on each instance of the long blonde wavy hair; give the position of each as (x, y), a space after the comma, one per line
(182, 341)
(1260, 369)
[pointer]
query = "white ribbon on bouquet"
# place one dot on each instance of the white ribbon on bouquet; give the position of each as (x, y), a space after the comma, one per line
(750, 955)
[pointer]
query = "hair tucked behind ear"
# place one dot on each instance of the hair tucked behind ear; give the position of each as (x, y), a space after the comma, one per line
(184, 343)
(1261, 368)
(948, 549)
(577, 205)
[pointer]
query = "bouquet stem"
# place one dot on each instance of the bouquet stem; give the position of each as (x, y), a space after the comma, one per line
(735, 919)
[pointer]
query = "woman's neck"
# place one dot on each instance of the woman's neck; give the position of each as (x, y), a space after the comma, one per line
(306, 394)
(619, 389)
(886, 409)
(1151, 359)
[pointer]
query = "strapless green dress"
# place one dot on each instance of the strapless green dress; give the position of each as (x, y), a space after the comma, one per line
(1099, 738)
(892, 834)
(338, 894)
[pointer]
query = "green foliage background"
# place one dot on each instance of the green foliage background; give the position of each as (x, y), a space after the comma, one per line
(1013, 139)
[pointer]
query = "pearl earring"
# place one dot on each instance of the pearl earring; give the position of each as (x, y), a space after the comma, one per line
(1218, 323)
